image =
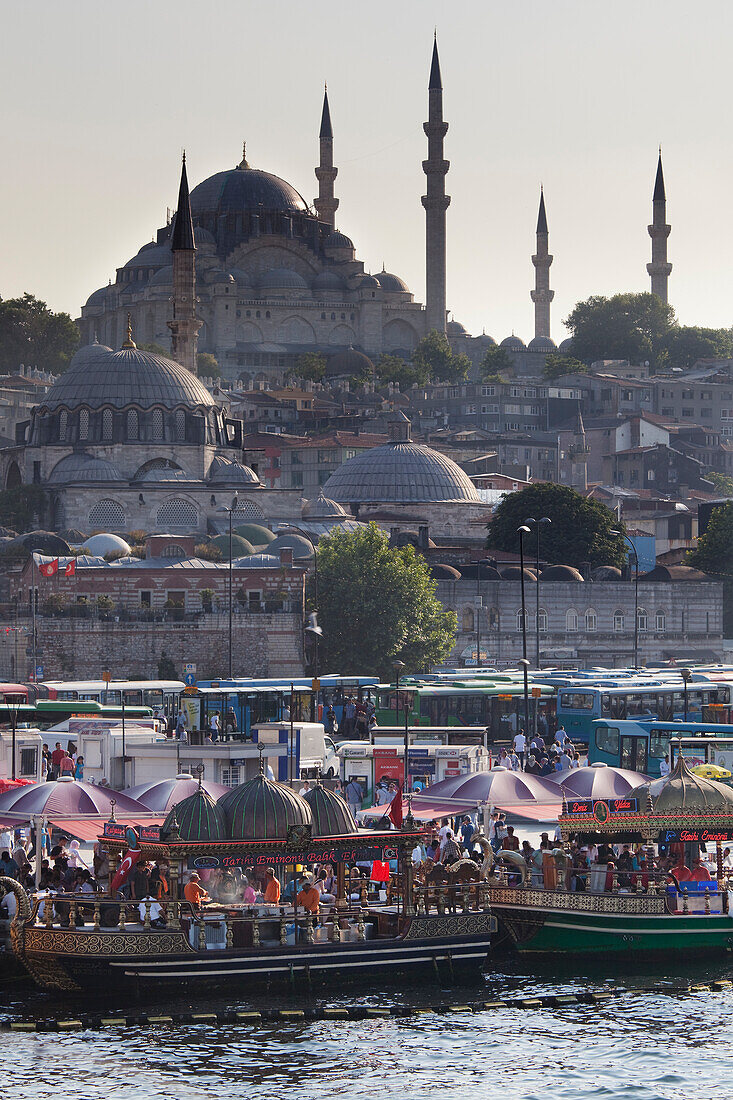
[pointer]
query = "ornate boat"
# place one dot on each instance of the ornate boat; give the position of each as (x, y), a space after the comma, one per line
(102, 943)
(641, 912)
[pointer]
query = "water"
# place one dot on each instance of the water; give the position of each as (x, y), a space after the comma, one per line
(639, 1046)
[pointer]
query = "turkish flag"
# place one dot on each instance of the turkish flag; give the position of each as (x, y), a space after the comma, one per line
(70, 569)
(395, 809)
(125, 869)
(49, 568)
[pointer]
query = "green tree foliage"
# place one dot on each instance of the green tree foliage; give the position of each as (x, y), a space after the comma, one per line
(311, 366)
(23, 509)
(31, 333)
(166, 668)
(558, 365)
(495, 365)
(714, 555)
(580, 530)
(683, 345)
(625, 326)
(207, 365)
(722, 482)
(378, 605)
(393, 368)
(433, 356)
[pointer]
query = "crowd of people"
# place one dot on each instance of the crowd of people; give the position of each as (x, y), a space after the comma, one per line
(59, 762)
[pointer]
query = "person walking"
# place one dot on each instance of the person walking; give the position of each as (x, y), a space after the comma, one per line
(354, 795)
(519, 744)
(181, 726)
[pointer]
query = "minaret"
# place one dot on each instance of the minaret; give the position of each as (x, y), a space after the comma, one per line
(659, 269)
(184, 326)
(436, 202)
(542, 295)
(326, 205)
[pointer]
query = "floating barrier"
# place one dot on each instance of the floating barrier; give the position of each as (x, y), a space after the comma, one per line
(352, 1012)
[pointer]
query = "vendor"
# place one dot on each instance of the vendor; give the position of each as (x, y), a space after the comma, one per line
(194, 892)
(308, 896)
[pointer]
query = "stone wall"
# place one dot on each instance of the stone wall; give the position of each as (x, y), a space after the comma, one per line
(78, 649)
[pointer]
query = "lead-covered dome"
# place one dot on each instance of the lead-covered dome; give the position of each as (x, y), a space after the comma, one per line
(197, 817)
(331, 816)
(83, 467)
(97, 377)
(244, 189)
(685, 792)
(263, 810)
(400, 472)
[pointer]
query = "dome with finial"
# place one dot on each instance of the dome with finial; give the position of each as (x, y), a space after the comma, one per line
(262, 809)
(330, 813)
(197, 817)
(685, 792)
(321, 507)
(244, 189)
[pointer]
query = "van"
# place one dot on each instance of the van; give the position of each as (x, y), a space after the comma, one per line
(315, 752)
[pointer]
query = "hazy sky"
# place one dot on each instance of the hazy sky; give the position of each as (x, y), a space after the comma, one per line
(99, 99)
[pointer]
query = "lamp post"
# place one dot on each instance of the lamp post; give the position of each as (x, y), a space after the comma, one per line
(398, 666)
(522, 531)
(525, 665)
(636, 594)
(316, 633)
(537, 523)
(478, 613)
(686, 675)
(230, 511)
(284, 528)
(13, 702)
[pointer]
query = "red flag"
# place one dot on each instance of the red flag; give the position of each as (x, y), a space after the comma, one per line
(70, 569)
(125, 869)
(49, 568)
(394, 813)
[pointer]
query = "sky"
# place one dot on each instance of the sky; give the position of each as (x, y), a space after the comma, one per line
(99, 99)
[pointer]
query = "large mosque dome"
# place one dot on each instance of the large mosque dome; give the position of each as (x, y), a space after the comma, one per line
(244, 189)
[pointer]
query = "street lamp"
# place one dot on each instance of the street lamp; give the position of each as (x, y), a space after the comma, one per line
(636, 594)
(525, 665)
(537, 523)
(13, 702)
(230, 510)
(398, 666)
(316, 633)
(284, 528)
(522, 531)
(686, 675)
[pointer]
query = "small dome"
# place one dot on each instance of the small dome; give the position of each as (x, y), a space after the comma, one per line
(198, 817)
(163, 277)
(80, 467)
(512, 343)
(152, 255)
(202, 236)
(348, 362)
(328, 280)
(674, 573)
(444, 572)
(560, 573)
(255, 533)
(686, 792)
(161, 470)
(481, 571)
(225, 472)
(391, 284)
(240, 277)
(368, 282)
(99, 297)
(400, 472)
(486, 341)
(99, 545)
(331, 816)
(321, 507)
(455, 328)
(338, 240)
(263, 810)
(606, 573)
(542, 344)
(282, 278)
(514, 573)
(44, 542)
(240, 547)
(301, 547)
(221, 276)
(566, 345)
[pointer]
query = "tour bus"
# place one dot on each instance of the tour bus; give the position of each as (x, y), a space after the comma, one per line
(13, 693)
(159, 694)
(641, 746)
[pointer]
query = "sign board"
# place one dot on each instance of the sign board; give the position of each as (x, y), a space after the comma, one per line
(106, 676)
(504, 696)
(448, 750)
(599, 806)
(191, 689)
(189, 679)
(189, 668)
(696, 836)
(39, 672)
(115, 831)
(315, 684)
(355, 751)
(536, 693)
(321, 854)
(387, 765)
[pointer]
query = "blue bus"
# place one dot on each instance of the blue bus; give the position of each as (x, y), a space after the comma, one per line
(642, 746)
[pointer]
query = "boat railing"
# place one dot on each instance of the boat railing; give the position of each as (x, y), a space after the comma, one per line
(681, 897)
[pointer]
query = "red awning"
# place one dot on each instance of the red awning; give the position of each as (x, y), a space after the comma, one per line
(88, 828)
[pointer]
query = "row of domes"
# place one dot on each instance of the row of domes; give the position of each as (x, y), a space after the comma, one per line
(259, 809)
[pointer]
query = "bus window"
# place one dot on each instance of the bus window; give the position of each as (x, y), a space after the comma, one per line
(605, 706)
(576, 700)
(153, 697)
(133, 698)
(633, 753)
(658, 743)
(607, 739)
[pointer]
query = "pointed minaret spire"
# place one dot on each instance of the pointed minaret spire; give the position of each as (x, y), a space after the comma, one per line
(436, 202)
(184, 325)
(542, 260)
(326, 204)
(659, 269)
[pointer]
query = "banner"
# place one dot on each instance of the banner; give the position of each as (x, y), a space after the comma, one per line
(49, 568)
(387, 765)
(70, 569)
(313, 855)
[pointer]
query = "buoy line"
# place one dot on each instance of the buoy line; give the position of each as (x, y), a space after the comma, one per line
(89, 1021)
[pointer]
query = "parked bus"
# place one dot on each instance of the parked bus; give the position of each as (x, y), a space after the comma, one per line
(159, 694)
(642, 746)
(581, 704)
(13, 693)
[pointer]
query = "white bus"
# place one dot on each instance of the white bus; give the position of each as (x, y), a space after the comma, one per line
(158, 694)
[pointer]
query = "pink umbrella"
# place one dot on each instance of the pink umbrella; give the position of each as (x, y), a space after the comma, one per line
(510, 790)
(598, 781)
(163, 794)
(66, 796)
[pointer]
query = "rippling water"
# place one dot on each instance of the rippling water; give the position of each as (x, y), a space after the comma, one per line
(640, 1045)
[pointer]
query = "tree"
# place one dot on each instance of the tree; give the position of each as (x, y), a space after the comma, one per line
(625, 326)
(722, 482)
(31, 333)
(494, 362)
(23, 508)
(714, 555)
(207, 365)
(558, 365)
(393, 368)
(580, 530)
(378, 605)
(434, 356)
(166, 667)
(311, 366)
(685, 344)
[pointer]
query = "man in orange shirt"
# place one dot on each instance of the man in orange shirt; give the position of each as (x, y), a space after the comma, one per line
(308, 897)
(194, 892)
(272, 888)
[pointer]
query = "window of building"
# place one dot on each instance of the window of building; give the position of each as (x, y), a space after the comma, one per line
(83, 424)
(107, 425)
(542, 621)
(173, 551)
(63, 424)
(177, 513)
(176, 597)
(180, 425)
(28, 759)
(642, 620)
(107, 515)
(470, 410)
(145, 599)
(467, 621)
(296, 478)
(571, 620)
(591, 621)
(133, 424)
(230, 776)
(660, 622)
(488, 391)
(158, 430)
(519, 618)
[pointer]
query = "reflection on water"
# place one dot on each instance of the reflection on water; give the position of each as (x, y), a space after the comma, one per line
(646, 1045)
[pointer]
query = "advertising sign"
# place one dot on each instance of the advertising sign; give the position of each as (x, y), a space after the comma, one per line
(597, 805)
(387, 765)
(321, 854)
